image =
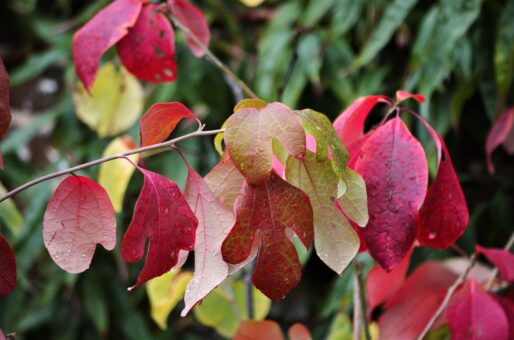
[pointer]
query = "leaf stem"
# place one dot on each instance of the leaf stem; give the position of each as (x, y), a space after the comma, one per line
(359, 268)
(162, 145)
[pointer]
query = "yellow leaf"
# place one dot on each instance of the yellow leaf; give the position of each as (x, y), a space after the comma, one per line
(9, 214)
(354, 202)
(114, 104)
(164, 292)
(252, 3)
(114, 176)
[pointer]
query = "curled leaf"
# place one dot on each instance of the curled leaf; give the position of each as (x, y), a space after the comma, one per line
(7, 267)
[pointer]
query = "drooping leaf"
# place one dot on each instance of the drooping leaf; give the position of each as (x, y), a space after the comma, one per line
(334, 239)
(255, 330)
(160, 120)
(354, 202)
(5, 112)
(162, 215)
(268, 210)
(7, 267)
(225, 181)
(502, 259)
(444, 215)
(78, 217)
(249, 137)
(103, 31)
(148, 50)
(502, 127)
(164, 292)
(413, 305)
(214, 223)
(194, 20)
(393, 165)
(114, 102)
(115, 175)
(10, 214)
(504, 50)
(474, 314)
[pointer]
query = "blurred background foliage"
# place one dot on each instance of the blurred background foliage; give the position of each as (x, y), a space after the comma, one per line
(320, 54)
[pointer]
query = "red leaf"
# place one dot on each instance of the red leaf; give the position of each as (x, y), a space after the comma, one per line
(214, 223)
(404, 95)
(298, 331)
(502, 259)
(161, 214)
(381, 286)
(267, 210)
(100, 33)
(148, 50)
(7, 267)
(411, 307)
(474, 314)
(194, 20)
(508, 308)
(393, 165)
(498, 134)
(5, 113)
(78, 217)
(259, 330)
(160, 121)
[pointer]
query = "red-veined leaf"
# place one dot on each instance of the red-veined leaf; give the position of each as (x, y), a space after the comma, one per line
(214, 223)
(393, 165)
(7, 267)
(100, 33)
(225, 181)
(414, 304)
(78, 217)
(5, 113)
(268, 211)
(161, 214)
(444, 215)
(402, 96)
(298, 331)
(160, 120)
(259, 330)
(148, 50)
(498, 134)
(194, 20)
(249, 137)
(502, 259)
(474, 314)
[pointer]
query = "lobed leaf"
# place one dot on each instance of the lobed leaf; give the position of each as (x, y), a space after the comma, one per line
(161, 214)
(334, 239)
(78, 217)
(502, 259)
(502, 128)
(194, 20)
(394, 167)
(100, 33)
(148, 50)
(249, 137)
(7, 268)
(268, 210)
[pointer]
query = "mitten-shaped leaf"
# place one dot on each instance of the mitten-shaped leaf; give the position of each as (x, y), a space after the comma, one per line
(103, 31)
(148, 50)
(162, 215)
(249, 137)
(501, 130)
(7, 267)
(269, 210)
(444, 215)
(394, 167)
(225, 181)
(160, 120)
(214, 223)
(502, 259)
(334, 239)
(194, 20)
(78, 217)
(474, 314)
(5, 112)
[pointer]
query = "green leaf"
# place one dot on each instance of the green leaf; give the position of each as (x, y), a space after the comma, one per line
(10, 214)
(95, 302)
(335, 240)
(354, 202)
(315, 10)
(504, 49)
(341, 328)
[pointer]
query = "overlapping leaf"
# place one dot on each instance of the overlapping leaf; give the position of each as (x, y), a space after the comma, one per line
(148, 50)
(354, 202)
(334, 239)
(214, 223)
(249, 137)
(267, 210)
(162, 215)
(78, 217)
(160, 120)
(502, 129)
(7, 267)
(393, 165)
(225, 181)
(502, 259)
(194, 20)
(103, 31)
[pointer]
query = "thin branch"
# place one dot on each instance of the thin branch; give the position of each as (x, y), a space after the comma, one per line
(362, 298)
(215, 59)
(162, 145)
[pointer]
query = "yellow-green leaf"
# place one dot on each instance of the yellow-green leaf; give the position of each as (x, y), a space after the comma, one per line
(354, 202)
(115, 175)
(114, 104)
(9, 213)
(164, 292)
